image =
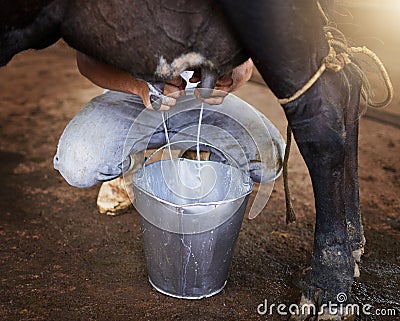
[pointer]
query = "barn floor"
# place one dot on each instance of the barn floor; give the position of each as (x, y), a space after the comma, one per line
(61, 260)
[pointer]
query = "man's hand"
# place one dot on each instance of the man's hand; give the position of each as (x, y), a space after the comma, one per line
(225, 84)
(229, 82)
(173, 89)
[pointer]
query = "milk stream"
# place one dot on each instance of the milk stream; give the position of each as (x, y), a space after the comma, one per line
(198, 144)
(197, 176)
(187, 247)
(164, 116)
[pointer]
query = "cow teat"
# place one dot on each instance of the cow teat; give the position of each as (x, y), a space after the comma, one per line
(209, 78)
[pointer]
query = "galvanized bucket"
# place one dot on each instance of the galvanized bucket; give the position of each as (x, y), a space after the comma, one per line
(191, 213)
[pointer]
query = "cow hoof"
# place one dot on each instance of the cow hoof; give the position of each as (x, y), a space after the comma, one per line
(357, 272)
(327, 316)
(357, 254)
(304, 314)
(310, 311)
(113, 198)
(357, 259)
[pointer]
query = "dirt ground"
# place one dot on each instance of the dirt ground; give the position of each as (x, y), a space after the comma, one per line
(61, 260)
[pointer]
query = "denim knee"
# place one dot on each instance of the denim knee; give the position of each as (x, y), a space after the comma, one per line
(75, 165)
(84, 163)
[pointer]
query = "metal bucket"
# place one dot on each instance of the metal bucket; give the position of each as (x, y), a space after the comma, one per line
(191, 213)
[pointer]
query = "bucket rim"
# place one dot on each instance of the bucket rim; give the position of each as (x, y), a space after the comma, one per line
(197, 204)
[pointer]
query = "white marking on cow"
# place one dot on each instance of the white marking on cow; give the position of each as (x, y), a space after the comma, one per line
(180, 64)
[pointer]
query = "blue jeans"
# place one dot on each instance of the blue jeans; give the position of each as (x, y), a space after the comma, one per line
(96, 144)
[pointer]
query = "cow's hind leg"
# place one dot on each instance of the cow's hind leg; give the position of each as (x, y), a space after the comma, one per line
(339, 238)
(287, 44)
(322, 142)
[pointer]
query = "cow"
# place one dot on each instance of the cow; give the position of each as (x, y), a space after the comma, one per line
(157, 40)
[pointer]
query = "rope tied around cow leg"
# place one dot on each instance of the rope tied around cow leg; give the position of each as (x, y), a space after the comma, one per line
(334, 62)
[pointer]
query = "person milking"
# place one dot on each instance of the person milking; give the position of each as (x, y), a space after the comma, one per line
(109, 136)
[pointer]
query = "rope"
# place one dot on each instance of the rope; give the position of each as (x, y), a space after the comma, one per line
(336, 62)
(290, 214)
(385, 76)
(307, 86)
(332, 62)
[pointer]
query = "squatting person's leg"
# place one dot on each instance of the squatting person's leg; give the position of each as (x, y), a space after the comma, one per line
(91, 148)
(96, 144)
